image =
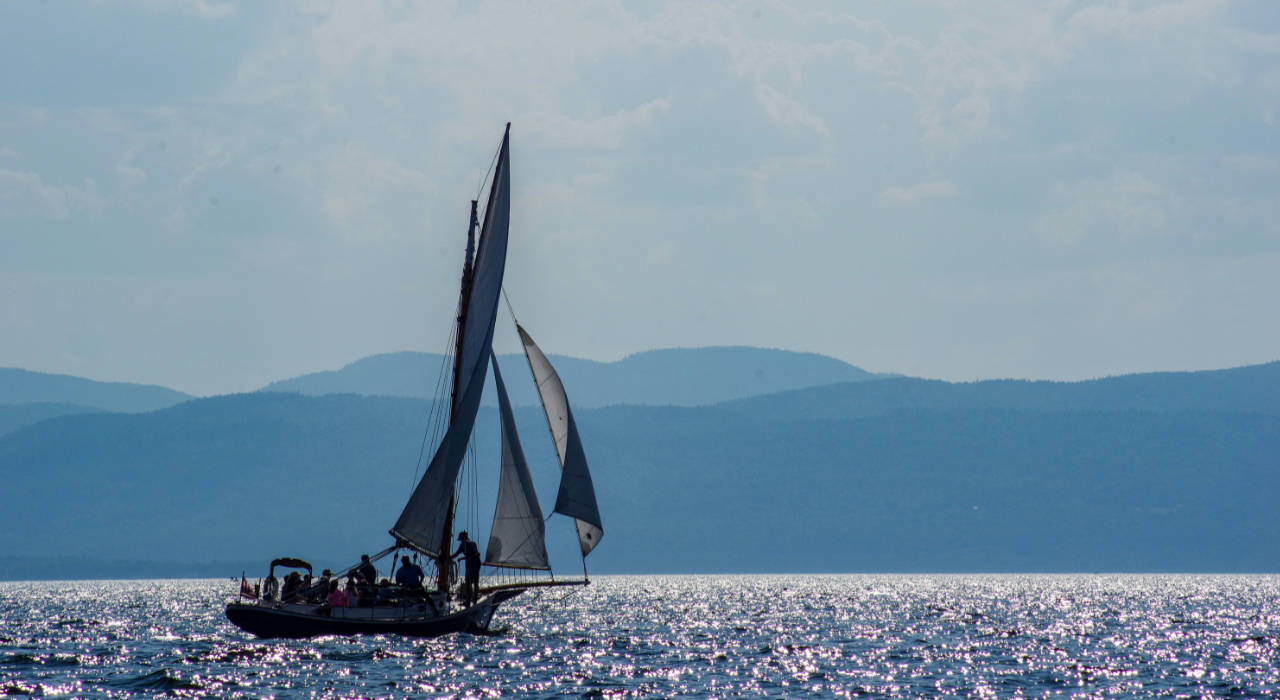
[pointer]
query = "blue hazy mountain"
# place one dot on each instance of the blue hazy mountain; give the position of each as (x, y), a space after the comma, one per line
(1248, 389)
(14, 416)
(674, 377)
(1158, 472)
(19, 386)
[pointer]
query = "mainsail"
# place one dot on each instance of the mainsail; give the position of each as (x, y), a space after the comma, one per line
(422, 521)
(516, 539)
(577, 495)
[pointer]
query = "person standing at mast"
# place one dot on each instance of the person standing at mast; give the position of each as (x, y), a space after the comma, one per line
(471, 553)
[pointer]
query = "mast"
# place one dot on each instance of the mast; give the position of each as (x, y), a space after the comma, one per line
(443, 561)
(426, 523)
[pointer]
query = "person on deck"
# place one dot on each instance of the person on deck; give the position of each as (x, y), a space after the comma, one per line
(366, 570)
(337, 597)
(468, 549)
(292, 583)
(353, 591)
(410, 575)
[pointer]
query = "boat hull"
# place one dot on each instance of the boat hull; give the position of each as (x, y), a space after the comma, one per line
(298, 621)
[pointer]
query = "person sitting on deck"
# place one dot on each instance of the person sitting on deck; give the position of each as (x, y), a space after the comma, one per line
(468, 549)
(353, 591)
(337, 597)
(385, 593)
(292, 584)
(367, 593)
(410, 575)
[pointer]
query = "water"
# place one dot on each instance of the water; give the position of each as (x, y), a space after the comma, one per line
(823, 636)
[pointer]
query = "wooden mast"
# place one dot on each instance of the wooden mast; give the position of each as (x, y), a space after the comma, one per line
(445, 559)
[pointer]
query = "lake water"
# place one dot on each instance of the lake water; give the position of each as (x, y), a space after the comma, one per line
(779, 636)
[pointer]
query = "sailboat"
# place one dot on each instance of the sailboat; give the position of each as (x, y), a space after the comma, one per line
(425, 526)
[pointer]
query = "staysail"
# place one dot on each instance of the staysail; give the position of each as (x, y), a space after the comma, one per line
(577, 495)
(422, 521)
(516, 539)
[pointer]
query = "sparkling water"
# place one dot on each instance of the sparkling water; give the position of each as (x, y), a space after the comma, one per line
(773, 636)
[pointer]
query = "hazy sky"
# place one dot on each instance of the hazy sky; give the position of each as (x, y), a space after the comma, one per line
(213, 195)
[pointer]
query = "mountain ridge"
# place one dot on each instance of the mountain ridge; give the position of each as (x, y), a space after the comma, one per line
(820, 479)
(21, 386)
(669, 376)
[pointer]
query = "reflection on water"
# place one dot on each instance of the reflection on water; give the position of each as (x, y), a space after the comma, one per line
(904, 636)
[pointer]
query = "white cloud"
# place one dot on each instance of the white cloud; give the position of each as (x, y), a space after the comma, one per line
(788, 113)
(24, 194)
(362, 185)
(915, 193)
(608, 132)
(1122, 206)
(209, 9)
(130, 175)
(653, 137)
(1146, 23)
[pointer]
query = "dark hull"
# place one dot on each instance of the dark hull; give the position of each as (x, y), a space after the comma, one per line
(267, 621)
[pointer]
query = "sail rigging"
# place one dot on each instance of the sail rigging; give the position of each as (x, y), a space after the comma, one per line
(422, 522)
(517, 538)
(577, 495)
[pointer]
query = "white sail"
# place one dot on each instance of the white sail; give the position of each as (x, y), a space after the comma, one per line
(577, 495)
(422, 521)
(516, 539)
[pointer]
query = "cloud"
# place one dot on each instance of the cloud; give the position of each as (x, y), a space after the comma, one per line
(1122, 206)
(130, 175)
(24, 194)
(608, 132)
(208, 9)
(649, 137)
(786, 112)
(364, 191)
(916, 193)
(1146, 23)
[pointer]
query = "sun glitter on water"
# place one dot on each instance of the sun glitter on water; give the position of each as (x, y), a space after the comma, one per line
(823, 636)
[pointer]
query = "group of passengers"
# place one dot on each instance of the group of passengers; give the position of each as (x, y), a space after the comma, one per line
(363, 589)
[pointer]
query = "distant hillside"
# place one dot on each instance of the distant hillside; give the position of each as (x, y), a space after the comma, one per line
(1247, 389)
(677, 377)
(18, 386)
(1164, 472)
(14, 416)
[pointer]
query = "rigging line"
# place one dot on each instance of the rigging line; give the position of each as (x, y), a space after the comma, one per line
(473, 495)
(464, 488)
(509, 309)
(480, 189)
(432, 427)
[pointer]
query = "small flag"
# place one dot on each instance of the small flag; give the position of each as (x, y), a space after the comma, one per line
(247, 591)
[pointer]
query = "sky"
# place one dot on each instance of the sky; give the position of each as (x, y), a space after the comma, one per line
(214, 195)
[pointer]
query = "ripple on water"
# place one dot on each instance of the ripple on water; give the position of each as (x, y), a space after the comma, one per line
(830, 636)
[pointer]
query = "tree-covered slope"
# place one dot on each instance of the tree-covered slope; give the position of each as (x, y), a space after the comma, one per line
(1180, 476)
